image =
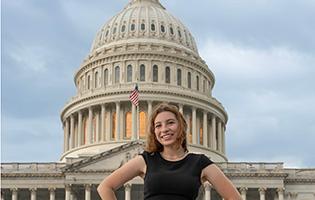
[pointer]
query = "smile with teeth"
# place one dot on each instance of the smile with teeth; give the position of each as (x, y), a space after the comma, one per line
(167, 136)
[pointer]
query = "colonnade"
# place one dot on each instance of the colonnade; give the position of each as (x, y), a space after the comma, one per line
(262, 193)
(108, 122)
(33, 193)
(127, 189)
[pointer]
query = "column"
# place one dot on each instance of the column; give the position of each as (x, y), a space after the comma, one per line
(72, 132)
(14, 193)
(194, 125)
(103, 123)
(110, 123)
(127, 191)
(181, 109)
(207, 191)
(52, 193)
(33, 193)
(205, 129)
(80, 128)
(90, 126)
(134, 122)
(243, 191)
(219, 147)
(149, 109)
(97, 139)
(262, 192)
(67, 135)
(280, 192)
(223, 138)
(213, 132)
(88, 192)
(67, 192)
(118, 133)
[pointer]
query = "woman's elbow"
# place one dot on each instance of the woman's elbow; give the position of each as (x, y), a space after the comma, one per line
(105, 191)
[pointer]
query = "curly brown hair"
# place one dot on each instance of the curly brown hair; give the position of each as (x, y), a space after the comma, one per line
(153, 145)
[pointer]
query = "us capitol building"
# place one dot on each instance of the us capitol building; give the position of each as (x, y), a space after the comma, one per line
(145, 45)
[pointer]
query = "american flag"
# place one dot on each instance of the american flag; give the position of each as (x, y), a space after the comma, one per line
(134, 96)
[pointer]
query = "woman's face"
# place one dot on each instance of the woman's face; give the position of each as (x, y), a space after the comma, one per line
(166, 128)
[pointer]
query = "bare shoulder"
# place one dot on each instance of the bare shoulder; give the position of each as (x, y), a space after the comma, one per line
(138, 163)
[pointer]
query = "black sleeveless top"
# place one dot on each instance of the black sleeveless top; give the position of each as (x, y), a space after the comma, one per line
(173, 180)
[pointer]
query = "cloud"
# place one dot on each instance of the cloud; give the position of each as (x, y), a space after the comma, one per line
(268, 94)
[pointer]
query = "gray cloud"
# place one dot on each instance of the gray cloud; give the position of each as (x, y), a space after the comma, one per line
(261, 52)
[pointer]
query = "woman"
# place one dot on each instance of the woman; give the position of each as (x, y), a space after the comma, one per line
(168, 170)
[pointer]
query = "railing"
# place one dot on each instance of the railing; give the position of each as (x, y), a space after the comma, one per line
(31, 167)
(252, 166)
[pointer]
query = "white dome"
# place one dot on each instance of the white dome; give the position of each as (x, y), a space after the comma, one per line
(144, 20)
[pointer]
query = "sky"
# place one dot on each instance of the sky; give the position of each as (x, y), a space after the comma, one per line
(262, 53)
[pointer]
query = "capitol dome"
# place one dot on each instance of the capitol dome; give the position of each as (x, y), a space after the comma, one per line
(144, 20)
(142, 45)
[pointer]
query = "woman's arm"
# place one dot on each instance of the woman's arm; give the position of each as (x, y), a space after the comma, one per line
(134, 167)
(220, 182)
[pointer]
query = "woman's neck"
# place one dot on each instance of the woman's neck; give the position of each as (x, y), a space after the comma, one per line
(173, 154)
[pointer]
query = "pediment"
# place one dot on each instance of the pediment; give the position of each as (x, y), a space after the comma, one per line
(107, 160)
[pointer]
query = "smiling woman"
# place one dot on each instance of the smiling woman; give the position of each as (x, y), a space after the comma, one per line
(169, 171)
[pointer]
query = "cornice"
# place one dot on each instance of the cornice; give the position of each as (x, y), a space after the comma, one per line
(32, 175)
(299, 180)
(257, 174)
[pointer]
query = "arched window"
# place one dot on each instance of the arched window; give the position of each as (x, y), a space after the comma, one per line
(197, 82)
(189, 80)
(204, 86)
(123, 28)
(96, 80)
(142, 73)
(162, 28)
(106, 33)
(190, 130)
(106, 77)
(129, 73)
(113, 134)
(172, 30)
(117, 74)
(179, 77)
(89, 82)
(200, 135)
(167, 75)
(155, 73)
(179, 33)
(142, 27)
(143, 124)
(128, 130)
(132, 27)
(152, 27)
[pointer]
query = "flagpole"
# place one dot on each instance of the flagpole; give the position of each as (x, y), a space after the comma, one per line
(138, 118)
(138, 123)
